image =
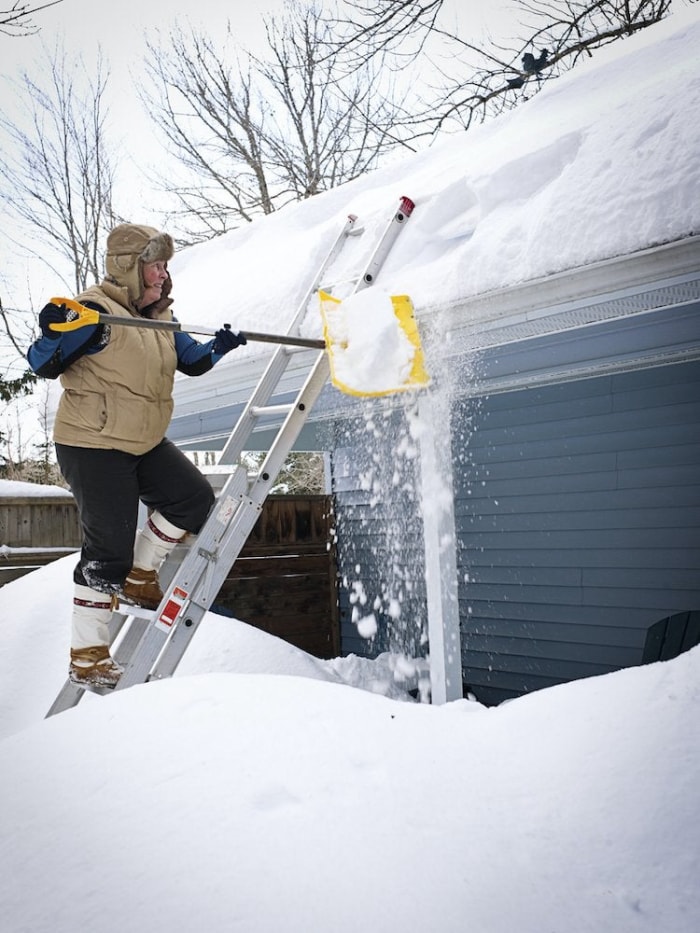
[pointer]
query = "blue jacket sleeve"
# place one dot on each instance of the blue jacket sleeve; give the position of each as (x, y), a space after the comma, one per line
(49, 358)
(194, 358)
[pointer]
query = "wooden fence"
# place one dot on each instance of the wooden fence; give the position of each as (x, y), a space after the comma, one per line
(284, 582)
(41, 522)
(34, 531)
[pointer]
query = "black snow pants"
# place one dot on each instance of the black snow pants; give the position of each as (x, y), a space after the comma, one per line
(107, 486)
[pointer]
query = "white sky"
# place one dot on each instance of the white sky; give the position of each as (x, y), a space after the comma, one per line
(122, 29)
(121, 32)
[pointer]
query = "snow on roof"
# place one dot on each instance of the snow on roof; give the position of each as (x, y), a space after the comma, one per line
(601, 163)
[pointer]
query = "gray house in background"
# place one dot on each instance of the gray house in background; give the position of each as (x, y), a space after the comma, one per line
(573, 418)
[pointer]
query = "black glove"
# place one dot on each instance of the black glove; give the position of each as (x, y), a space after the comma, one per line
(227, 339)
(52, 314)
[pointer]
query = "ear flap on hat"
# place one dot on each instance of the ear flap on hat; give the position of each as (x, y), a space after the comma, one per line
(125, 262)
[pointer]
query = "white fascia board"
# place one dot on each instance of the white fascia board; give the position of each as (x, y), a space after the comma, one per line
(606, 290)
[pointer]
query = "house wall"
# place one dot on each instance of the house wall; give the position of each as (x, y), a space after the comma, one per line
(576, 472)
(574, 403)
(578, 514)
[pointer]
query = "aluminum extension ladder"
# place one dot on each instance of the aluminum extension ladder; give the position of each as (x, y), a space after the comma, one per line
(150, 644)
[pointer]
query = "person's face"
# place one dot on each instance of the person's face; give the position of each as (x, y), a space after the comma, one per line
(154, 274)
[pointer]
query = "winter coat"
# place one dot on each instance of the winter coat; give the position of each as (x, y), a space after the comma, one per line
(121, 397)
(118, 381)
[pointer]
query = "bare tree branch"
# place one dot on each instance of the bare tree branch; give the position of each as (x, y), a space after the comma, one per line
(256, 132)
(376, 26)
(56, 176)
(16, 20)
(554, 35)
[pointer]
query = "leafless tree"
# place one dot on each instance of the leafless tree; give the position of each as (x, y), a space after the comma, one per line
(480, 80)
(327, 129)
(302, 473)
(56, 189)
(56, 171)
(255, 133)
(16, 20)
(15, 378)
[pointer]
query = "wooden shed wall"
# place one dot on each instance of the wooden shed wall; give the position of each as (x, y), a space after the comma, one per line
(285, 581)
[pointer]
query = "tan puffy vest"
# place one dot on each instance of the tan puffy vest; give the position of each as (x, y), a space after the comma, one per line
(121, 397)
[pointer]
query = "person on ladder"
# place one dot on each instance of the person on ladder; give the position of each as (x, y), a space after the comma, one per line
(109, 435)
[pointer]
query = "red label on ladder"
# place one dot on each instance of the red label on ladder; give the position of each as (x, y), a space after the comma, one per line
(172, 608)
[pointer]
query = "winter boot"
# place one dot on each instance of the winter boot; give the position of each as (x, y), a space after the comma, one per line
(142, 587)
(94, 667)
(91, 664)
(153, 544)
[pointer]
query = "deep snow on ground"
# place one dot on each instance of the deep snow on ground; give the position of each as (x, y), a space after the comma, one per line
(35, 617)
(263, 790)
(270, 795)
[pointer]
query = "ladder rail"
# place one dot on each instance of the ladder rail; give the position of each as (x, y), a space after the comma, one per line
(194, 565)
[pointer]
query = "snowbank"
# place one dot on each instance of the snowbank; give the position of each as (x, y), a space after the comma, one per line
(251, 802)
(14, 489)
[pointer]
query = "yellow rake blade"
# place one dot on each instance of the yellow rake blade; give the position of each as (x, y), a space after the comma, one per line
(373, 343)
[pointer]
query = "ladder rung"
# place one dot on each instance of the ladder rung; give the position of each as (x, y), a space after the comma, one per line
(289, 349)
(217, 475)
(336, 282)
(129, 609)
(259, 410)
(216, 469)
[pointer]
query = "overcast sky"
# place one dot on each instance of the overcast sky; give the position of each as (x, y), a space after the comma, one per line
(120, 31)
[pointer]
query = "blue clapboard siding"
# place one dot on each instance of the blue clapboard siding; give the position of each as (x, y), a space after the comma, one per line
(578, 516)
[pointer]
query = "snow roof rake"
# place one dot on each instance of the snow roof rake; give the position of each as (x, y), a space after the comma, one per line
(371, 338)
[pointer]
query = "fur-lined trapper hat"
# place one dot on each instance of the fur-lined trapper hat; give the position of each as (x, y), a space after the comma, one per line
(128, 247)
